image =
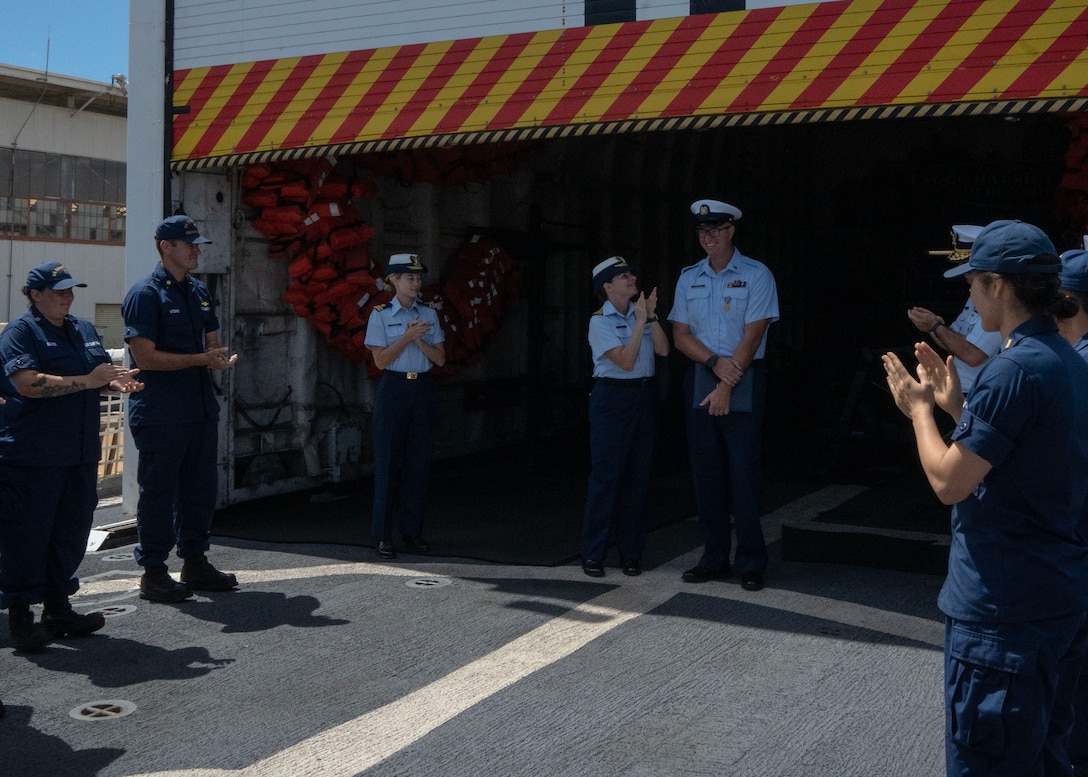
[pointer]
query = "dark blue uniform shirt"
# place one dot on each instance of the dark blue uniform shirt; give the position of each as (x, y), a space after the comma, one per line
(175, 315)
(1016, 555)
(61, 431)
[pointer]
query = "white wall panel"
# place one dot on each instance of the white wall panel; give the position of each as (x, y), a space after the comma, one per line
(215, 32)
(102, 268)
(222, 32)
(57, 130)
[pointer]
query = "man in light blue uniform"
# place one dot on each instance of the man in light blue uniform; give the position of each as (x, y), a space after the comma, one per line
(406, 341)
(173, 337)
(722, 309)
(969, 344)
(1016, 594)
(624, 336)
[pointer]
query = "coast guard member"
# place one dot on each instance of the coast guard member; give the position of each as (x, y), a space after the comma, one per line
(1016, 593)
(405, 339)
(624, 336)
(965, 339)
(173, 337)
(723, 307)
(54, 369)
(1073, 280)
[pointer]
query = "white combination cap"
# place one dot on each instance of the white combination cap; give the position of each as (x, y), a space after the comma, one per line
(714, 212)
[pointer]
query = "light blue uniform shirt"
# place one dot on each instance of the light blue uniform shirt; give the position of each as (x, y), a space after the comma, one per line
(716, 306)
(608, 329)
(969, 324)
(389, 322)
(1081, 347)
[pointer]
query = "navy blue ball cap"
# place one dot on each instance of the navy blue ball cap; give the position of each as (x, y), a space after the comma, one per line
(179, 228)
(712, 212)
(51, 275)
(1010, 246)
(1074, 274)
(605, 271)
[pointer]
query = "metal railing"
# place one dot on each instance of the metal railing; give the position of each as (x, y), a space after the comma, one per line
(112, 427)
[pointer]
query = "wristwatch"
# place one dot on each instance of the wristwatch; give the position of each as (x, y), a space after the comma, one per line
(711, 361)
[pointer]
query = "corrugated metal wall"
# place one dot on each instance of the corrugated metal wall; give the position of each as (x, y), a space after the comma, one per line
(217, 32)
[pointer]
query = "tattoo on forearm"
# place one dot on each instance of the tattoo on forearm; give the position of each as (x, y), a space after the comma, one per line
(47, 392)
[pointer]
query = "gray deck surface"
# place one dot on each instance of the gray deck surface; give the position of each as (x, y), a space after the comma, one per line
(327, 662)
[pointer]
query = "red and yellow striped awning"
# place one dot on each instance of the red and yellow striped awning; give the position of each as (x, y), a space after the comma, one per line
(824, 61)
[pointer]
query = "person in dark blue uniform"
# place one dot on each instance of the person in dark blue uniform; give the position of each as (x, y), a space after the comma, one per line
(624, 336)
(722, 309)
(1016, 594)
(1073, 280)
(3, 402)
(173, 337)
(1074, 284)
(55, 368)
(406, 341)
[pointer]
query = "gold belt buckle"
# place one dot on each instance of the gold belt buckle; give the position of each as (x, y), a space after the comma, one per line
(411, 375)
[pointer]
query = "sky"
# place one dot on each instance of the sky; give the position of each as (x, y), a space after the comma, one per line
(82, 38)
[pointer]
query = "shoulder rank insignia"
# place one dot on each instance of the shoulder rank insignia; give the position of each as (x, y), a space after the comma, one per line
(599, 312)
(382, 306)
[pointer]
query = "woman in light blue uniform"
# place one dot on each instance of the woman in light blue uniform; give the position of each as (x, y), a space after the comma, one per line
(624, 336)
(405, 339)
(1016, 626)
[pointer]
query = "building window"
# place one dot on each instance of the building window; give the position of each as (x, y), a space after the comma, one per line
(609, 11)
(47, 196)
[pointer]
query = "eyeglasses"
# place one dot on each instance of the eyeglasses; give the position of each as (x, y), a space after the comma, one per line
(712, 232)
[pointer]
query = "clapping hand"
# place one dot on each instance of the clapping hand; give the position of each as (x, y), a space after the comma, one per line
(127, 383)
(416, 329)
(911, 395)
(943, 377)
(220, 358)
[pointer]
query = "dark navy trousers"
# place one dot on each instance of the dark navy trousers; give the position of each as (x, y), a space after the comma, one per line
(725, 454)
(1078, 740)
(623, 421)
(179, 481)
(46, 514)
(1009, 690)
(403, 438)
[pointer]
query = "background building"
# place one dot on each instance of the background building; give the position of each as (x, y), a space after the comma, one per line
(62, 189)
